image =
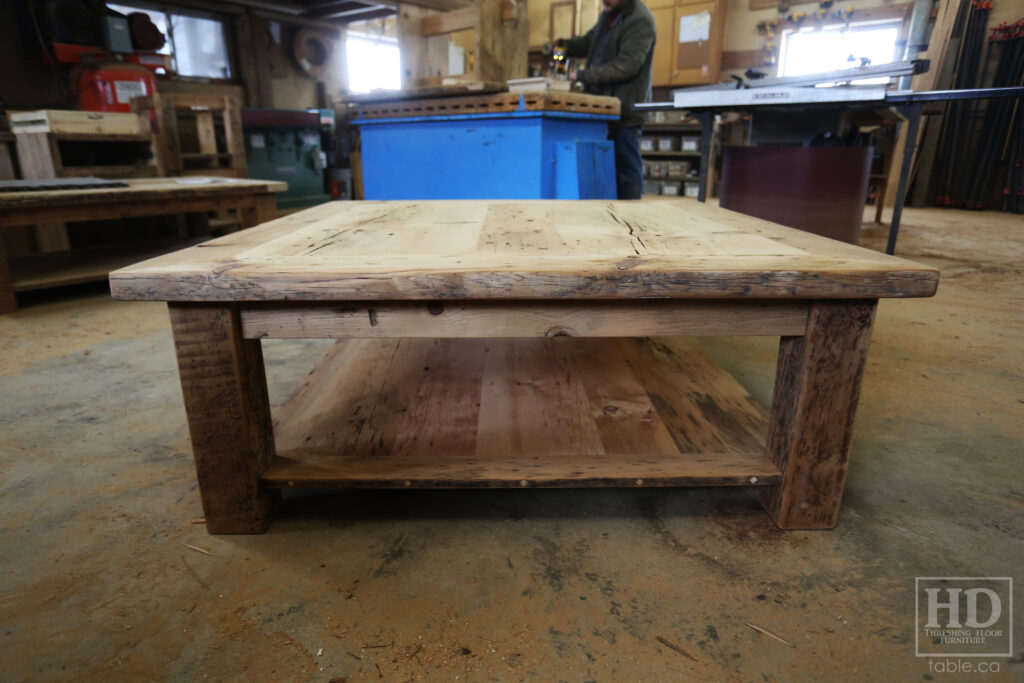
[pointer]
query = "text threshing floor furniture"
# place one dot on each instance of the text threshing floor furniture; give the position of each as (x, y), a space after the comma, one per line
(142, 197)
(520, 344)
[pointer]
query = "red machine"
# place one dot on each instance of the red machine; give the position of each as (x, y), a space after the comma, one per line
(110, 86)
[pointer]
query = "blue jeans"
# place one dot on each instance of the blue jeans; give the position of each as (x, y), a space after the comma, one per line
(629, 167)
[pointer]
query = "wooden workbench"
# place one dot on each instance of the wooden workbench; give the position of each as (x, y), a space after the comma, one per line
(521, 344)
(143, 197)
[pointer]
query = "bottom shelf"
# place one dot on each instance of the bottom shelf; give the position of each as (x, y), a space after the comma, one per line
(551, 412)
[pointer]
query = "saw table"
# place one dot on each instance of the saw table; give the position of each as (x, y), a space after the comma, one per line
(798, 93)
(520, 344)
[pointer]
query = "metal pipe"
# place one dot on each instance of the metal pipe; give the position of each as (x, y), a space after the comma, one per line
(271, 5)
(916, 39)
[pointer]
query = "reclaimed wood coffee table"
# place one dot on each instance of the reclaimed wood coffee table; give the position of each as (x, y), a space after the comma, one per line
(520, 344)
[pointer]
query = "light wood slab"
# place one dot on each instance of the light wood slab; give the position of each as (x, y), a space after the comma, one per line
(521, 250)
(140, 189)
(517, 413)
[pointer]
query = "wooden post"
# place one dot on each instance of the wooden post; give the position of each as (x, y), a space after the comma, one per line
(502, 40)
(225, 390)
(260, 209)
(8, 304)
(817, 385)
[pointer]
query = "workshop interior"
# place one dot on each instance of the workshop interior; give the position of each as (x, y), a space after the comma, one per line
(577, 340)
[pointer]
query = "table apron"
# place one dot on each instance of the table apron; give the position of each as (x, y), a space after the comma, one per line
(124, 208)
(483, 319)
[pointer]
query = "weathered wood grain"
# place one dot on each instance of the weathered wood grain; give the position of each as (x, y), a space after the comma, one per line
(358, 251)
(524, 319)
(706, 469)
(490, 413)
(817, 387)
(225, 394)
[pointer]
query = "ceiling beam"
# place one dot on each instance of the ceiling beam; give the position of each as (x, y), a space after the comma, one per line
(378, 13)
(333, 9)
(353, 11)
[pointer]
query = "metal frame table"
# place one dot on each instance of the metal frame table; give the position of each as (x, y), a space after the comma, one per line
(908, 104)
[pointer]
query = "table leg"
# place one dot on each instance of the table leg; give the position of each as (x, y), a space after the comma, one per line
(8, 304)
(225, 390)
(262, 209)
(817, 384)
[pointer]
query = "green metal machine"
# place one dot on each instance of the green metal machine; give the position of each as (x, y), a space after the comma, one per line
(285, 145)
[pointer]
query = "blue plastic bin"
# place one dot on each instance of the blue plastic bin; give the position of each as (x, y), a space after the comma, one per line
(508, 155)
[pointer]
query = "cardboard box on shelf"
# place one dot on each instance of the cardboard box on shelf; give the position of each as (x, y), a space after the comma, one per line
(668, 143)
(678, 169)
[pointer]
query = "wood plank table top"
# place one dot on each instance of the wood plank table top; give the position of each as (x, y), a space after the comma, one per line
(486, 249)
(139, 190)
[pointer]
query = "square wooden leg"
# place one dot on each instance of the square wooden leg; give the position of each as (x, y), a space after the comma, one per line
(225, 390)
(817, 385)
(260, 209)
(8, 304)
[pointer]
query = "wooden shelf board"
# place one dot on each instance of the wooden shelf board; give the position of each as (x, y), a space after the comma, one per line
(677, 178)
(669, 154)
(549, 412)
(205, 155)
(78, 266)
(104, 137)
(670, 127)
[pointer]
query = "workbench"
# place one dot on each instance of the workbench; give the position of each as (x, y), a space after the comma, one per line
(532, 145)
(254, 199)
(520, 344)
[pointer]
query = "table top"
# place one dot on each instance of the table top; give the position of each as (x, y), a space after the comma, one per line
(142, 189)
(508, 103)
(533, 249)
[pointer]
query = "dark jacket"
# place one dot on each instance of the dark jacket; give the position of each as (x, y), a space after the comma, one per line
(619, 58)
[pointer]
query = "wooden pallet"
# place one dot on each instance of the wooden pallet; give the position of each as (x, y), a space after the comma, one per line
(68, 124)
(39, 136)
(496, 103)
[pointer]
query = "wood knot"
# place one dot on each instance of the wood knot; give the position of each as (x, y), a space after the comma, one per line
(435, 308)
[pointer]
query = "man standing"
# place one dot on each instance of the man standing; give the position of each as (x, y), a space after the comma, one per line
(619, 50)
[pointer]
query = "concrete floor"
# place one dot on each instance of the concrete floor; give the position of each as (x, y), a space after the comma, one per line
(98, 498)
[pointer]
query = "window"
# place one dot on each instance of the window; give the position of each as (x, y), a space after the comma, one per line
(372, 55)
(813, 50)
(197, 45)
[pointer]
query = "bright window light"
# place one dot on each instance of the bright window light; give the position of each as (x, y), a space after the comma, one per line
(811, 51)
(372, 64)
(198, 46)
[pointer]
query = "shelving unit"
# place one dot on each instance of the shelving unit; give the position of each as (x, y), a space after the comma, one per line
(674, 128)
